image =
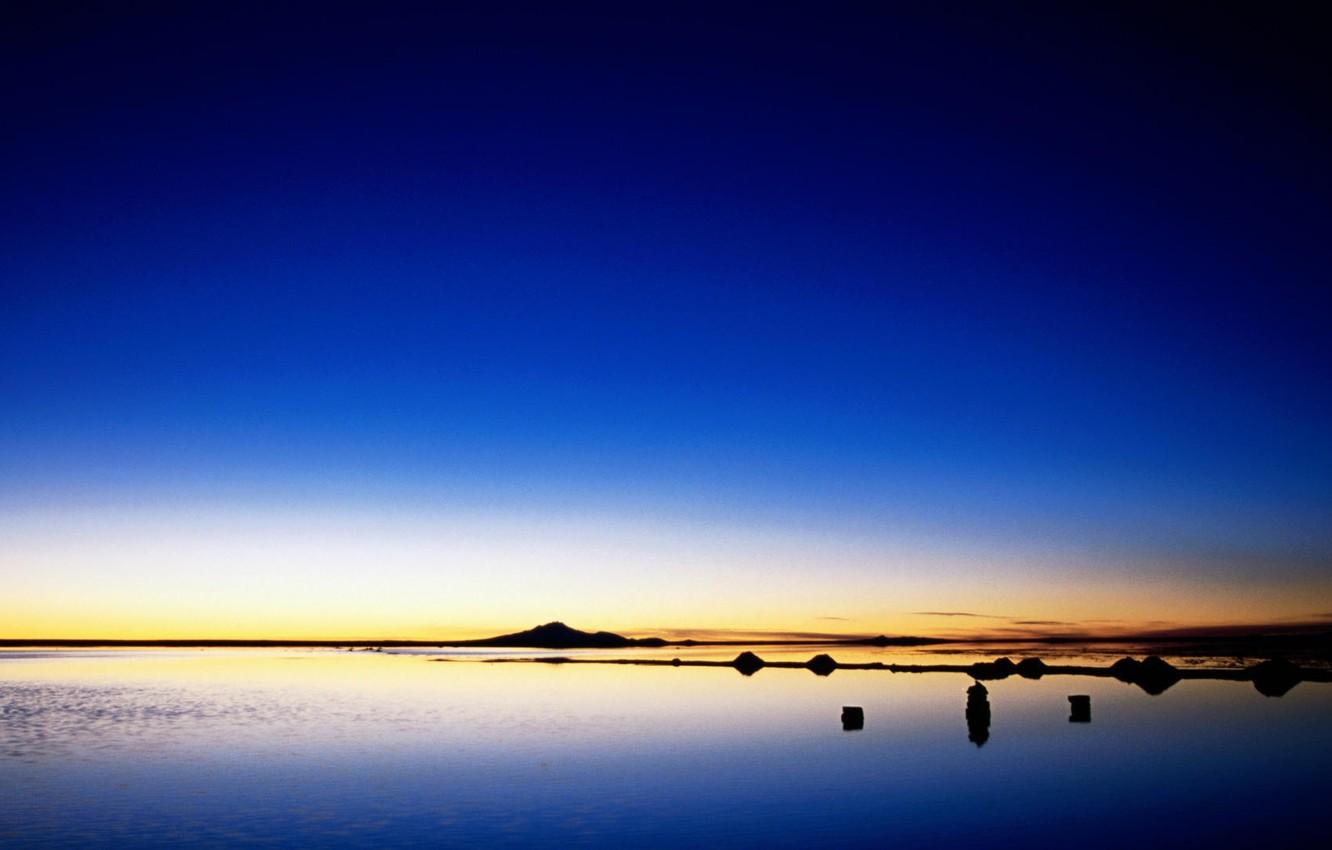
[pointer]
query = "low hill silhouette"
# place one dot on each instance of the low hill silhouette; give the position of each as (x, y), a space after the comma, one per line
(556, 635)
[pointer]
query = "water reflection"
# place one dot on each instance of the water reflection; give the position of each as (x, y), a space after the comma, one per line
(978, 714)
(290, 749)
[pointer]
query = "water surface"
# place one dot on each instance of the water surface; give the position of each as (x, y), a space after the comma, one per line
(316, 748)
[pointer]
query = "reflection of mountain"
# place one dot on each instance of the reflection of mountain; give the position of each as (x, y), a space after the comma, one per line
(557, 635)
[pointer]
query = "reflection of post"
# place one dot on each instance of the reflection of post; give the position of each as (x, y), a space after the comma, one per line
(978, 714)
(1079, 706)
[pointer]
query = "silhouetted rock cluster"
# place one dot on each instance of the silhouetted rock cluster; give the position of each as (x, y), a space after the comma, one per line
(1156, 675)
(1275, 677)
(1002, 668)
(821, 665)
(1031, 668)
(748, 663)
(998, 669)
(1153, 674)
(1125, 669)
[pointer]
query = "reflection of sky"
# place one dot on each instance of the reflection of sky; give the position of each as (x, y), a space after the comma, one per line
(346, 750)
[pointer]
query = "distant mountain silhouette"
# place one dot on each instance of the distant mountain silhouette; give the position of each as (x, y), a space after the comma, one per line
(557, 635)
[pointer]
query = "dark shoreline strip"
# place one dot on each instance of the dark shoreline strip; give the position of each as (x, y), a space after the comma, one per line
(983, 670)
(1250, 645)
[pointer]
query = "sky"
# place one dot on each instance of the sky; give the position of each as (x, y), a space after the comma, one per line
(326, 320)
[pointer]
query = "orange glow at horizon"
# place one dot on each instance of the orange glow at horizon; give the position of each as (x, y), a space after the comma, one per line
(430, 577)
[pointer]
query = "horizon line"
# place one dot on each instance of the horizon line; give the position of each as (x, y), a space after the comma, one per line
(1210, 634)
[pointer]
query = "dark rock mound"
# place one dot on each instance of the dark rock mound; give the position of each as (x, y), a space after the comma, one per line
(988, 670)
(1125, 669)
(748, 663)
(1030, 668)
(999, 668)
(821, 665)
(1275, 677)
(1155, 675)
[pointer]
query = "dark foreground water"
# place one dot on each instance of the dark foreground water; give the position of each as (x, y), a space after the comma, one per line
(321, 749)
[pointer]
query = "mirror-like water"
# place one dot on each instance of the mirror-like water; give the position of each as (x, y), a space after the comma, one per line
(326, 749)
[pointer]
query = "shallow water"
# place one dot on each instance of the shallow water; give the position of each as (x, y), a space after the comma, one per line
(172, 748)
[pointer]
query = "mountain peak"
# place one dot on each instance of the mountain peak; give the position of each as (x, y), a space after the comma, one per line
(557, 635)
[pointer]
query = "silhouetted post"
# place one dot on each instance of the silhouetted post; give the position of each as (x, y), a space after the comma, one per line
(853, 718)
(1079, 708)
(978, 714)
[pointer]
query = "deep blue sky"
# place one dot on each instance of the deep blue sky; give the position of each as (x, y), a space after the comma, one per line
(982, 274)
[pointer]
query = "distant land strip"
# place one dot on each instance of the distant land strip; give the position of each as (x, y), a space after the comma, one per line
(557, 635)
(1272, 677)
(648, 643)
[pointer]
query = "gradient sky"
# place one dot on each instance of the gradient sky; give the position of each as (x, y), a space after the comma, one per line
(433, 319)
